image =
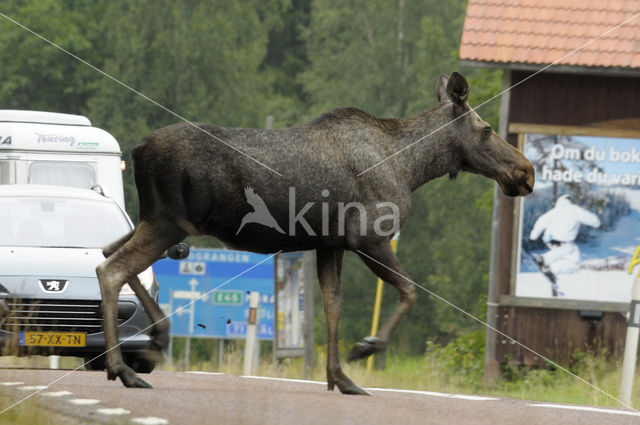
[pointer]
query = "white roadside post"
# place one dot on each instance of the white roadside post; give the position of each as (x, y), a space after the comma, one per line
(54, 362)
(251, 345)
(633, 329)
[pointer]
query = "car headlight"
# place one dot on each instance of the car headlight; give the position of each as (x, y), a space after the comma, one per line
(146, 279)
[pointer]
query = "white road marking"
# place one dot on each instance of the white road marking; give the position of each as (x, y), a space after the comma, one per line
(588, 409)
(32, 388)
(115, 411)
(304, 381)
(8, 384)
(197, 372)
(56, 393)
(84, 401)
(436, 394)
(427, 393)
(150, 420)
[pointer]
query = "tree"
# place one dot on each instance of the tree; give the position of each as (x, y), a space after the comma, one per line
(286, 60)
(380, 56)
(35, 74)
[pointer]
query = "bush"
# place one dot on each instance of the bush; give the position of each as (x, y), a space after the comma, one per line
(461, 359)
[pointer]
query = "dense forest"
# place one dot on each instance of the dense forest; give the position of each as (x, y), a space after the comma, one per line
(233, 63)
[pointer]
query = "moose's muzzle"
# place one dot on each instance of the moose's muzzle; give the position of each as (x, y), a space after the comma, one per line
(519, 182)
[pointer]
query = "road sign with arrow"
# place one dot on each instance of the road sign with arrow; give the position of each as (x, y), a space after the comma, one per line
(209, 293)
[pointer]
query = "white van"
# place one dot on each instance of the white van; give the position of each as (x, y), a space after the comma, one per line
(59, 149)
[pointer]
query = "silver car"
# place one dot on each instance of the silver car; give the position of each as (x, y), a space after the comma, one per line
(51, 240)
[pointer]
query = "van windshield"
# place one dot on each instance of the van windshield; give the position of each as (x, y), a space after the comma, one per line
(60, 222)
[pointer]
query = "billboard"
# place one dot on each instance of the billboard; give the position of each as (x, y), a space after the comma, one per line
(295, 276)
(220, 282)
(290, 296)
(579, 228)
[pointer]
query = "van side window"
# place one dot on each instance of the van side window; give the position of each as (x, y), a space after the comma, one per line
(5, 172)
(72, 174)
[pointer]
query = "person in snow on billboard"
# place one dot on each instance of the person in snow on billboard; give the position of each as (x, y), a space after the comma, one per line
(559, 228)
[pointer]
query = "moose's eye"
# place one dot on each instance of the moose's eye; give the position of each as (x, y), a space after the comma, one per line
(487, 131)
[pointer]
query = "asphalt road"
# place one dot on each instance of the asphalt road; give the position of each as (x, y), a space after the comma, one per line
(201, 398)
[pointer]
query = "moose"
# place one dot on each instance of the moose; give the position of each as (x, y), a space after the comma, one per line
(326, 196)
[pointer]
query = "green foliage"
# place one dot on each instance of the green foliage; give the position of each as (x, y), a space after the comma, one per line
(286, 59)
(463, 357)
(381, 56)
(485, 84)
(550, 383)
(458, 367)
(36, 75)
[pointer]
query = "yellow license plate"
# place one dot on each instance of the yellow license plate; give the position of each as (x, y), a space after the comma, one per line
(53, 339)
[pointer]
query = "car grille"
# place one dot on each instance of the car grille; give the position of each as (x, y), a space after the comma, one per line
(59, 315)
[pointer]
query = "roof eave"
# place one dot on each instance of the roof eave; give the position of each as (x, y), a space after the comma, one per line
(567, 69)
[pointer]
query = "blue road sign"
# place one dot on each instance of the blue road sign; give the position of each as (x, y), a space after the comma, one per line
(220, 281)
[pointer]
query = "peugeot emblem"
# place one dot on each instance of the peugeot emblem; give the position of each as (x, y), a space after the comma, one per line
(53, 286)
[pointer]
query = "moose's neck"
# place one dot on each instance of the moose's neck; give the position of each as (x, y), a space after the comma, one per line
(430, 148)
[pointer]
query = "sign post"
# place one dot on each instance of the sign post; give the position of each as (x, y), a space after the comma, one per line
(377, 304)
(251, 345)
(187, 295)
(631, 343)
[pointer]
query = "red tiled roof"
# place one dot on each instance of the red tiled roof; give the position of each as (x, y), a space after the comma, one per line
(543, 31)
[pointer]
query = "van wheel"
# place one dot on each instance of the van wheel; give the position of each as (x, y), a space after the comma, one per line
(140, 364)
(95, 363)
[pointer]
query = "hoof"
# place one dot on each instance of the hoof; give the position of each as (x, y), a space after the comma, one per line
(368, 346)
(127, 376)
(138, 383)
(353, 389)
(345, 385)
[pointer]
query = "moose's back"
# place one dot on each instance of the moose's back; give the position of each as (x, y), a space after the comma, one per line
(201, 174)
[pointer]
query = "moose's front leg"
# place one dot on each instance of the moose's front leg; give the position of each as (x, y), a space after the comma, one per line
(383, 262)
(110, 287)
(329, 264)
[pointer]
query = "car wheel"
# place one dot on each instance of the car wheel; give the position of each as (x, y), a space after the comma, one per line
(95, 363)
(140, 364)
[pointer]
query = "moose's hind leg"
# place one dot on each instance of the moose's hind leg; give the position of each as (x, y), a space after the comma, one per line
(143, 247)
(108, 250)
(329, 269)
(160, 330)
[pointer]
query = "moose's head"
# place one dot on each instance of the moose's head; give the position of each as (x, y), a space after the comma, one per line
(480, 148)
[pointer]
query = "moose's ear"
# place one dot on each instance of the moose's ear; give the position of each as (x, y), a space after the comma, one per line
(457, 89)
(441, 88)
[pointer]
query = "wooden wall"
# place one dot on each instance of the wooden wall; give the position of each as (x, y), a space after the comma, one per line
(556, 334)
(573, 99)
(559, 99)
